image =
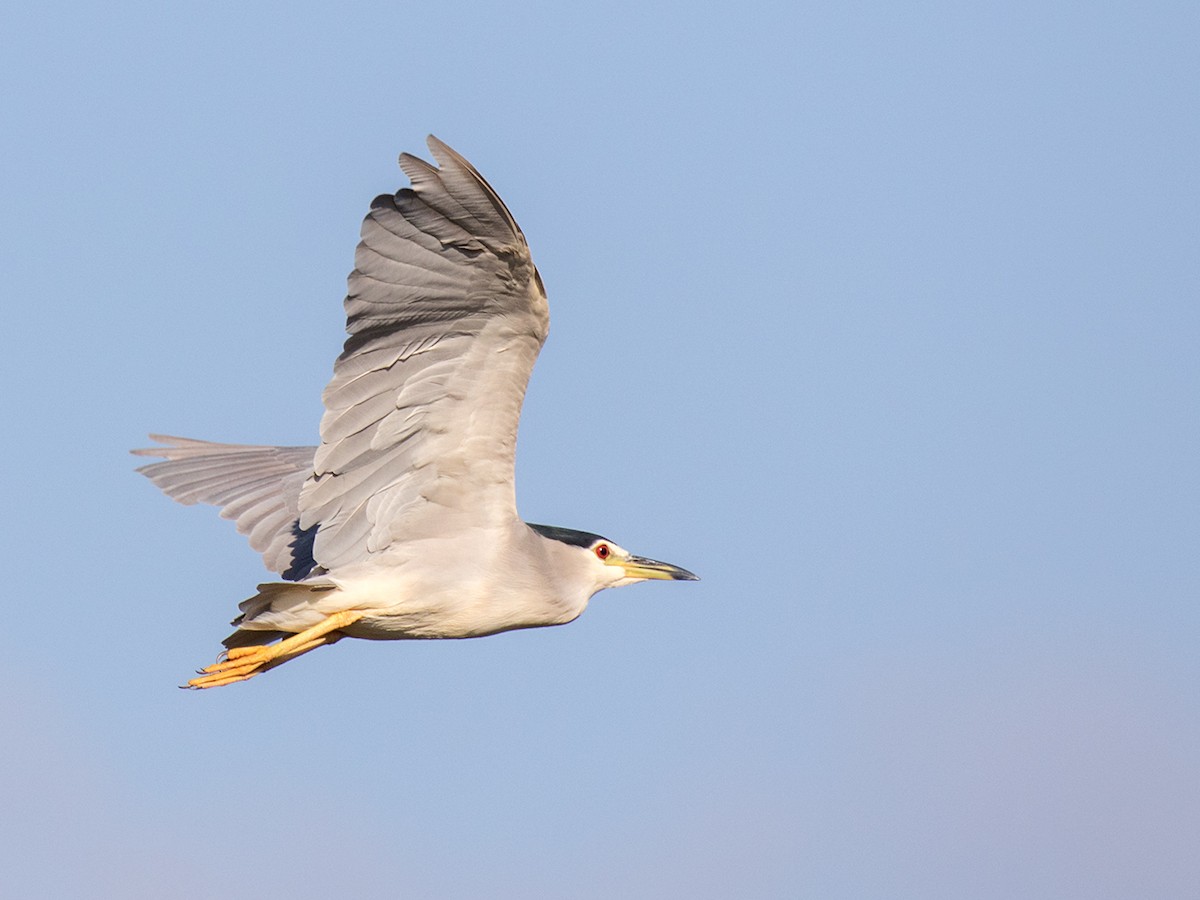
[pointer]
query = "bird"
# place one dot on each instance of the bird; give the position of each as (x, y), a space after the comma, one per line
(402, 523)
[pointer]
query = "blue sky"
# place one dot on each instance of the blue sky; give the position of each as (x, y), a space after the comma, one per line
(882, 318)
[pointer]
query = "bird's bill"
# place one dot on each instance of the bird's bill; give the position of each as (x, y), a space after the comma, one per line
(641, 567)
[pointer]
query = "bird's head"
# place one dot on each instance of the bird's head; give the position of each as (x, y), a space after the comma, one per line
(607, 563)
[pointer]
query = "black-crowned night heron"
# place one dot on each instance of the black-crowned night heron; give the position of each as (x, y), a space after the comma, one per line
(403, 522)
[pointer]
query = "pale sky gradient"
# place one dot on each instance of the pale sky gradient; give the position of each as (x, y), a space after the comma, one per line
(883, 318)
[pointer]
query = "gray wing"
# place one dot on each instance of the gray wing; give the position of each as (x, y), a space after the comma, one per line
(257, 487)
(446, 315)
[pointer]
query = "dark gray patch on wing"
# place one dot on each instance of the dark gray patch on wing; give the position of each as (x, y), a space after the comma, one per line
(302, 553)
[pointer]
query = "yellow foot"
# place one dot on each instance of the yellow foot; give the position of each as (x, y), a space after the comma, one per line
(242, 663)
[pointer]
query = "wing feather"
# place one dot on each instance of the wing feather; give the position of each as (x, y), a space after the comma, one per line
(446, 315)
(257, 487)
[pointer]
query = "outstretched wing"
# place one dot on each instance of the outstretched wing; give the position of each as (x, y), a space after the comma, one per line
(446, 315)
(257, 487)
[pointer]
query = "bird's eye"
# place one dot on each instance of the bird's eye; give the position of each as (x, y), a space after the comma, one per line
(603, 551)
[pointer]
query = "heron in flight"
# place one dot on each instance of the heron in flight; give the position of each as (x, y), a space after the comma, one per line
(403, 522)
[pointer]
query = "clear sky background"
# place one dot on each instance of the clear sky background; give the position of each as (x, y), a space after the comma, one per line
(883, 318)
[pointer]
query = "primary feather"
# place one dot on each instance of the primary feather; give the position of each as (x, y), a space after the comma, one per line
(257, 487)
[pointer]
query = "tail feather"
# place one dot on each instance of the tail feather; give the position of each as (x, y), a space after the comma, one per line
(274, 602)
(242, 638)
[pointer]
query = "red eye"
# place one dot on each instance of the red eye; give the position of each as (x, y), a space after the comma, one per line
(603, 551)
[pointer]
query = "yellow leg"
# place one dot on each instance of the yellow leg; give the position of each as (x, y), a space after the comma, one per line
(241, 663)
